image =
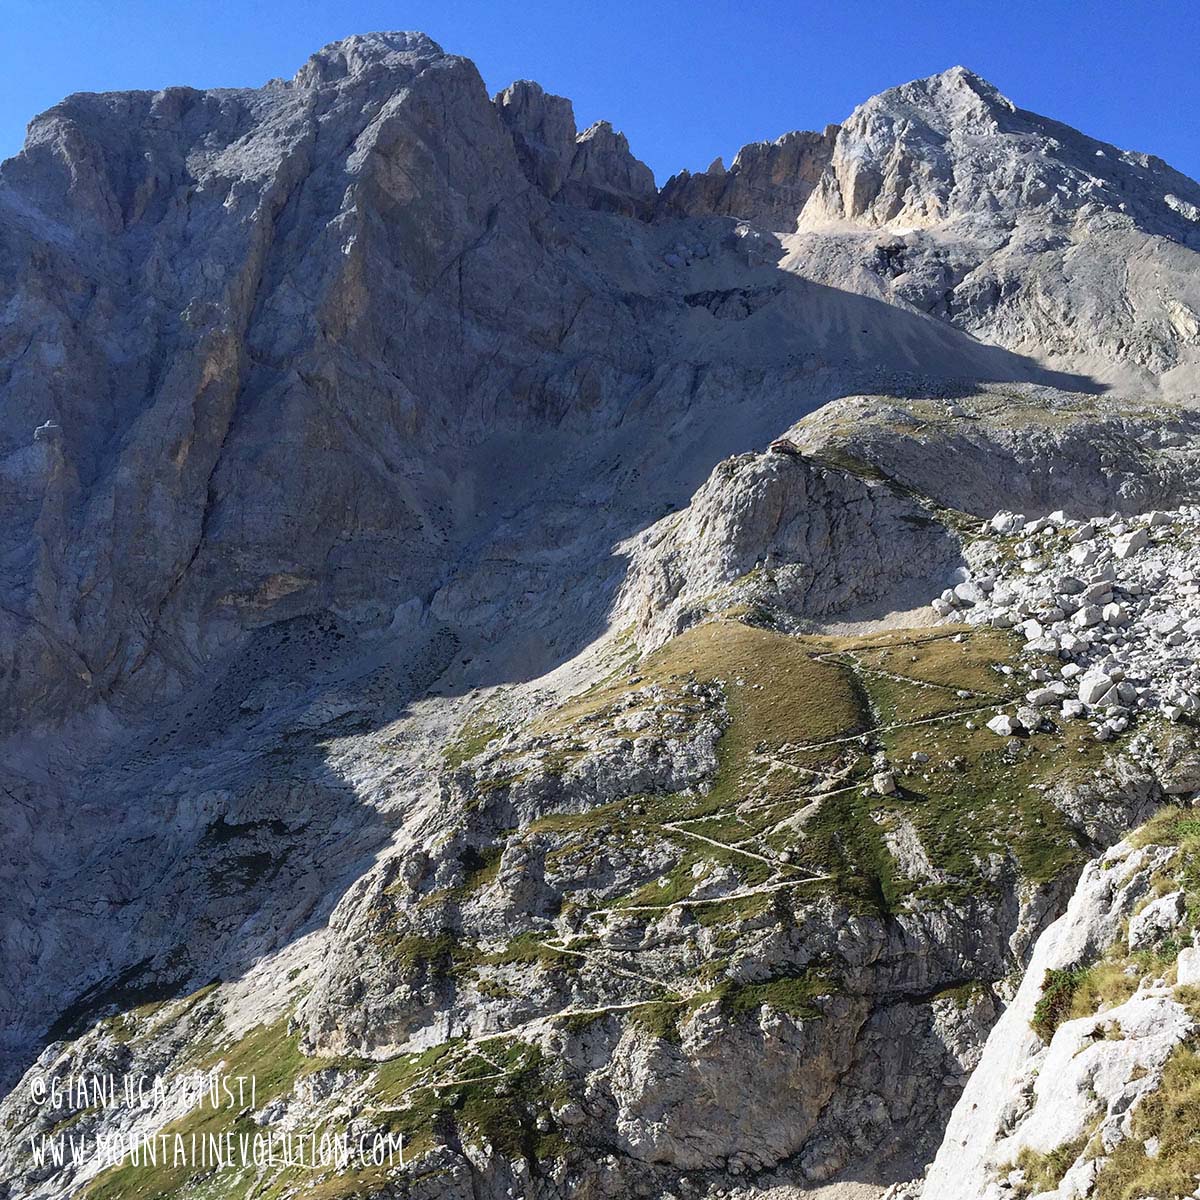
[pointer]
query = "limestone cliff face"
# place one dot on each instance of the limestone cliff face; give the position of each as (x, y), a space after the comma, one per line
(231, 305)
(952, 146)
(767, 184)
(1056, 1104)
(943, 195)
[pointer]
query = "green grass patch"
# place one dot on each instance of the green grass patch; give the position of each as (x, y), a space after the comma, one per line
(439, 955)
(480, 867)
(660, 1020)
(442, 1094)
(529, 949)
(798, 707)
(844, 840)
(1044, 1172)
(1058, 995)
(964, 995)
(476, 735)
(1103, 985)
(792, 994)
(268, 1054)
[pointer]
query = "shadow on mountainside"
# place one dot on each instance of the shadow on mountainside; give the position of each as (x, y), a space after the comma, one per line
(220, 827)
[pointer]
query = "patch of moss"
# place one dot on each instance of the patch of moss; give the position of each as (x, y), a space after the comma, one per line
(792, 994)
(494, 1096)
(661, 1020)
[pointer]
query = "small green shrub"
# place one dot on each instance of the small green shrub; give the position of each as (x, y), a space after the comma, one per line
(1058, 994)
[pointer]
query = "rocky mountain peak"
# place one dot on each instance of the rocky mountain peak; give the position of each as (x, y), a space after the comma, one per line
(363, 52)
(953, 146)
(949, 100)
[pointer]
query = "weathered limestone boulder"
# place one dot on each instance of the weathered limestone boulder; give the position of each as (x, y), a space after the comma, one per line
(1156, 920)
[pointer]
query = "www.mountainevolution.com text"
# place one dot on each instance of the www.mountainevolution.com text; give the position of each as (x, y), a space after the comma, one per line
(220, 1151)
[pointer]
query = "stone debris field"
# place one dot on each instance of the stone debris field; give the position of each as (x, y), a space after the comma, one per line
(1116, 600)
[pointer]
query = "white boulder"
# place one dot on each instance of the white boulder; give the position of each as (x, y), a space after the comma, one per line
(1094, 686)
(1156, 920)
(1187, 967)
(1128, 544)
(1004, 725)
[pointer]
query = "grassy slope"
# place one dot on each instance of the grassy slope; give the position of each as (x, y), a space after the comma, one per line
(806, 714)
(801, 709)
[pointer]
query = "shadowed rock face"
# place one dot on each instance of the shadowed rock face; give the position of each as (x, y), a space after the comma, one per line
(273, 330)
(768, 183)
(594, 169)
(337, 411)
(252, 314)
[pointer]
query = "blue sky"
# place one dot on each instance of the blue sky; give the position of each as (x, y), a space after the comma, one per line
(685, 80)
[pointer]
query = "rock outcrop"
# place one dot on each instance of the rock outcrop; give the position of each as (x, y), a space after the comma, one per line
(1054, 1102)
(793, 534)
(768, 184)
